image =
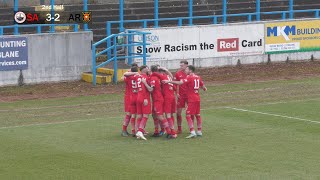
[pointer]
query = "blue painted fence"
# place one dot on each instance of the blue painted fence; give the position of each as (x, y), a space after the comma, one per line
(113, 49)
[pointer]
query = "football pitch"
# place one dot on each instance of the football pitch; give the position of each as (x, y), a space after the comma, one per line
(263, 130)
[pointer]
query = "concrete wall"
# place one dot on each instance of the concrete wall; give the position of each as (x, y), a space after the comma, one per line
(53, 57)
(232, 61)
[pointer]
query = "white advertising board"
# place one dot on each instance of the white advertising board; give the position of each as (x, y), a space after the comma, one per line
(203, 42)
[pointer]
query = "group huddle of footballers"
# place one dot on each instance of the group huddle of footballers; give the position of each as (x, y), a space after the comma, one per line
(158, 81)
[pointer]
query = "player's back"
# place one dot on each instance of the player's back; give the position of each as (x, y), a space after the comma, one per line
(194, 82)
(135, 83)
(156, 93)
(179, 76)
(167, 88)
(128, 82)
(143, 93)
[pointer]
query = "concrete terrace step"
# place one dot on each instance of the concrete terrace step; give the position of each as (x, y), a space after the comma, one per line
(100, 78)
(163, 3)
(135, 11)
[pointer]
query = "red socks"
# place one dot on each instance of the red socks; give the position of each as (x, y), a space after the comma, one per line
(199, 122)
(138, 123)
(126, 122)
(156, 125)
(190, 123)
(165, 125)
(192, 117)
(179, 121)
(171, 123)
(133, 128)
(142, 124)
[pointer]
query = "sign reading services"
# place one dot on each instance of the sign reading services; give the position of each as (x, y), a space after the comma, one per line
(294, 36)
(13, 53)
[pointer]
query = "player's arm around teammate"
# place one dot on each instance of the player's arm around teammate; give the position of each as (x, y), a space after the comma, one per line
(182, 97)
(132, 81)
(194, 83)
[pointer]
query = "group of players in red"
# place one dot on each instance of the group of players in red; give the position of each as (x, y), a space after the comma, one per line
(158, 82)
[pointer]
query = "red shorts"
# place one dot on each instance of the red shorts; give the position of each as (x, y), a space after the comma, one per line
(142, 109)
(182, 101)
(157, 107)
(193, 108)
(169, 105)
(133, 104)
(127, 103)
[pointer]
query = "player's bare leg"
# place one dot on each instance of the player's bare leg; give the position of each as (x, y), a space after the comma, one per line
(126, 121)
(199, 125)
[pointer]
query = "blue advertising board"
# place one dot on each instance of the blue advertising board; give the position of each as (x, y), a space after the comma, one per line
(13, 53)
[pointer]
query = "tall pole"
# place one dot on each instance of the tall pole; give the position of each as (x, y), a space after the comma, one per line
(190, 12)
(291, 9)
(121, 15)
(224, 11)
(156, 13)
(258, 6)
(16, 8)
(52, 15)
(85, 8)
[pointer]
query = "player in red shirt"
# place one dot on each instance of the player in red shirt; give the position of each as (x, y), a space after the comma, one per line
(134, 82)
(158, 101)
(127, 103)
(169, 98)
(193, 83)
(181, 93)
(143, 103)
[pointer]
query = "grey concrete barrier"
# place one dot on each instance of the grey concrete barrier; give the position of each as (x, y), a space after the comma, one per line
(53, 58)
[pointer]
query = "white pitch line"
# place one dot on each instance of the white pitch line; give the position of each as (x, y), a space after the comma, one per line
(109, 102)
(276, 115)
(54, 123)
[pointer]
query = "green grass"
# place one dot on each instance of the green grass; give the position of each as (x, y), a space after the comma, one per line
(66, 138)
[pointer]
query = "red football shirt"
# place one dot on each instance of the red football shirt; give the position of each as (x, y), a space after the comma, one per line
(128, 81)
(182, 88)
(193, 83)
(155, 83)
(167, 88)
(135, 82)
(143, 92)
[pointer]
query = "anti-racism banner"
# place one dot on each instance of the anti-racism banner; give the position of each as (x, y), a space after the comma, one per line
(13, 53)
(203, 42)
(294, 36)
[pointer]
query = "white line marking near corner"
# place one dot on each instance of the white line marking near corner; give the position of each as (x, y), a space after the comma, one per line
(54, 123)
(276, 115)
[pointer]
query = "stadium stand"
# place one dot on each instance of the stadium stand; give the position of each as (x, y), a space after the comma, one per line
(104, 12)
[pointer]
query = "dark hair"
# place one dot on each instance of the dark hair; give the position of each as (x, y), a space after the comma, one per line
(184, 62)
(192, 68)
(161, 70)
(143, 67)
(134, 69)
(134, 64)
(154, 68)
